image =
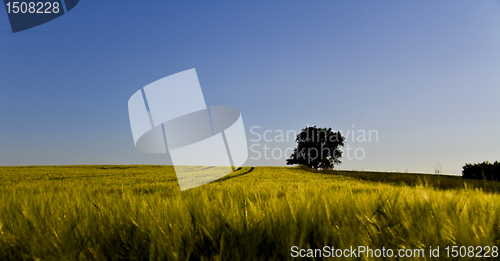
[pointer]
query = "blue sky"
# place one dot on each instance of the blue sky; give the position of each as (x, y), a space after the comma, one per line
(424, 74)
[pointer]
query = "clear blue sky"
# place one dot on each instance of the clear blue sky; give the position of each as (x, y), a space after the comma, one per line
(424, 74)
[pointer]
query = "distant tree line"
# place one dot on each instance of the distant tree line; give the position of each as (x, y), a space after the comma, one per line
(485, 171)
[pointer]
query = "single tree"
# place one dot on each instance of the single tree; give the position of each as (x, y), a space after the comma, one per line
(317, 148)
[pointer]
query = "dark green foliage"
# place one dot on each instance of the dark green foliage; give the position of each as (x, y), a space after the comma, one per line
(317, 148)
(485, 170)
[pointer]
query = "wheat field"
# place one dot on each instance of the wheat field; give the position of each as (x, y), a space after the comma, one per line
(138, 212)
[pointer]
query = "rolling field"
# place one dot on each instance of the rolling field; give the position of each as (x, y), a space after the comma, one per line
(139, 213)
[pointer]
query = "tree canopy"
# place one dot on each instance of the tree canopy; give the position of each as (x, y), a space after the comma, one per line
(317, 148)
